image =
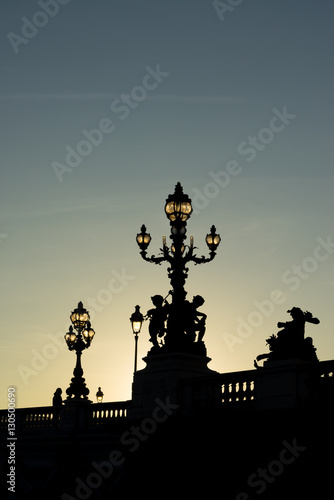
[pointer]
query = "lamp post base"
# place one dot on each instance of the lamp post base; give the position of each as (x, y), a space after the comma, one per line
(70, 401)
(162, 380)
(77, 388)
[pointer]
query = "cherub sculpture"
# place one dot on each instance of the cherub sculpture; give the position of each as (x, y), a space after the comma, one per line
(195, 320)
(157, 318)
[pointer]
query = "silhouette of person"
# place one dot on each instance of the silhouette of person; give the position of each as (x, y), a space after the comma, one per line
(57, 400)
(157, 318)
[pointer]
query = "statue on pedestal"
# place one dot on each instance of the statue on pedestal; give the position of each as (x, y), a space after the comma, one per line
(157, 318)
(290, 342)
(194, 320)
(166, 318)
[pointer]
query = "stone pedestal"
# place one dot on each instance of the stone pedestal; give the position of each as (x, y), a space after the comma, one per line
(282, 384)
(73, 414)
(161, 379)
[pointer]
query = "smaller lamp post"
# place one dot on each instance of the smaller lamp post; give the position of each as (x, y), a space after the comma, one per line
(99, 395)
(78, 342)
(136, 321)
(213, 239)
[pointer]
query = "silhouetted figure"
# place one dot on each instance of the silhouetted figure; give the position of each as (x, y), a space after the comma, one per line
(195, 320)
(57, 400)
(290, 342)
(157, 319)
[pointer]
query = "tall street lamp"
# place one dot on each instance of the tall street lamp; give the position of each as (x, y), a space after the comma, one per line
(78, 341)
(181, 314)
(136, 321)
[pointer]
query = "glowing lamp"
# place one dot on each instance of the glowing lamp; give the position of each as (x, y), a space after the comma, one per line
(143, 238)
(136, 320)
(178, 205)
(212, 239)
(79, 317)
(99, 395)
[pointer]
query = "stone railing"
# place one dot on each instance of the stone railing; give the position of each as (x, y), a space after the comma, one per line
(236, 389)
(322, 382)
(244, 390)
(30, 418)
(37, 417)
(100, 413)
(49, 416)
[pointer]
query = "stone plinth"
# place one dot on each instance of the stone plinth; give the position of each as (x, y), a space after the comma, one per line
(161, 379)
(282, 384)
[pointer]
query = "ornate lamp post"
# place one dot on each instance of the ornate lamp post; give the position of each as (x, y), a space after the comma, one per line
(78, 341)
(136, 321)
(178, 209)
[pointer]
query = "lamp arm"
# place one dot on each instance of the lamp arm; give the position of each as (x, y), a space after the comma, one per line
(190, 257)
(153, 258)
(203, 260)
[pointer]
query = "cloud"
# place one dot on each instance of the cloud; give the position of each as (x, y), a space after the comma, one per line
(79, 96)
(105, 96)
(220, 98)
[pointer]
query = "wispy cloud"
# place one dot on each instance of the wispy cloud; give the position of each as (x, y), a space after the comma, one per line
(95, 96)
(101, 204)
(83, 96)
(219, 98)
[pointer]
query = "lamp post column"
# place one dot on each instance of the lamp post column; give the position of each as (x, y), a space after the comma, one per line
(78, 387)
(136, 352)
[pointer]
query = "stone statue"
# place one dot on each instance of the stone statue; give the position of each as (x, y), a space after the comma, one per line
(194, 320)
(157, 318)
(290, 341)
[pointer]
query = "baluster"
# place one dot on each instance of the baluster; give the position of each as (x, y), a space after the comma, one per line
(237, 391)
(223, 393)
(232, 392)
(248, 390)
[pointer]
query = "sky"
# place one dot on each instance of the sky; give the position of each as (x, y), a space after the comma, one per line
(105, 106)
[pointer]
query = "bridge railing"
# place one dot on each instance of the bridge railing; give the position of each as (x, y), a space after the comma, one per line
(236, 390)
(100, 413)
(49, 416)
(243, 390)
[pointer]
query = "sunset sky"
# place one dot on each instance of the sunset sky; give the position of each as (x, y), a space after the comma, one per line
(105, 106)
